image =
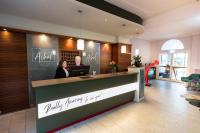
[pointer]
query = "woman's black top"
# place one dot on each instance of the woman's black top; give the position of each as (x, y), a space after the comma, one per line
(60, 73)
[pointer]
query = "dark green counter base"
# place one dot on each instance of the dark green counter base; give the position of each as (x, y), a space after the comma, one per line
(53, 92)
(90, 115)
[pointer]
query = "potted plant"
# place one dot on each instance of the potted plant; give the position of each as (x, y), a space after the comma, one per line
(137, 61)
(113, 66)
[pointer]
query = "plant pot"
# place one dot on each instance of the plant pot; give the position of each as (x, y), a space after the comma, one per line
(114, 70)
(137, 64)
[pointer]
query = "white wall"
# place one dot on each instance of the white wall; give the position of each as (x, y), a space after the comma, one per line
(195, 54)
(124, 39)
(144, 49)
(40, 26)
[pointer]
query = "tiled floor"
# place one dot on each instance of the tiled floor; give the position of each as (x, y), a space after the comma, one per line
(19, 122)
(162, 111)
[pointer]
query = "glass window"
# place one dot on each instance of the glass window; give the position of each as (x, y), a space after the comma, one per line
(173, 65)
(163, 59)
(180, 59)
(172, 44)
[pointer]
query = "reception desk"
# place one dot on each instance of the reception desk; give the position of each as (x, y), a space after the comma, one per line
(62, 102)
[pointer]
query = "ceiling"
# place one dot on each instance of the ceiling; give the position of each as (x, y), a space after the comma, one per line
(164, 19)
(181, 22)
(64, 12)
(149, 8)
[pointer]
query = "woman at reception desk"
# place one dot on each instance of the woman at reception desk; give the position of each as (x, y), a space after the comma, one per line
(65, 101)
(62, 71)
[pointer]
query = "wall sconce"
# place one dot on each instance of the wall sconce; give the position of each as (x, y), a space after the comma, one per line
(137, 52)
(84, 54)
(53, 52)
(123, 49)
(80, 44)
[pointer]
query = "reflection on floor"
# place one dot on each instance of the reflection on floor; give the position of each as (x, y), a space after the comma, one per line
(162, 111)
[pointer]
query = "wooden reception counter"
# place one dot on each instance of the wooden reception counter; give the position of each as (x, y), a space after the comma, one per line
(62, 102)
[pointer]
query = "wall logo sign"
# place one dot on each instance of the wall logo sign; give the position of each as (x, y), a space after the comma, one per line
(91, 58)
(43, 55)
(64, 104)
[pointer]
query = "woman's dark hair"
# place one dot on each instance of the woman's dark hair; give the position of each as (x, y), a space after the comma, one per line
(61, 62)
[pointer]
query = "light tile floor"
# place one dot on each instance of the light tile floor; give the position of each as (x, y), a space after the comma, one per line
(162, 111)
(19, 122)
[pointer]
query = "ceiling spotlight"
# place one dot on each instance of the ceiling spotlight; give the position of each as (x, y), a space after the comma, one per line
(124, 25)
(105, 19)
(80, 11)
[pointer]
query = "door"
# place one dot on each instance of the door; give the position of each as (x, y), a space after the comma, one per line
(179, 66)
(13, 72)
(164, 66)
(173, 66)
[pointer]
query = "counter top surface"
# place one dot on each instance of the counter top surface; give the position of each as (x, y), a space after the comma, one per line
(49, 82)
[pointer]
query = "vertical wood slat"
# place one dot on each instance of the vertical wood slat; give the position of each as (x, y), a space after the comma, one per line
(13, 72)
(123, 60)
(106, 57)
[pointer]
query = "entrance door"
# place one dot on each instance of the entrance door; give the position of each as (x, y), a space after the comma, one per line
(179, 66)
(173, 66)
(164, 66)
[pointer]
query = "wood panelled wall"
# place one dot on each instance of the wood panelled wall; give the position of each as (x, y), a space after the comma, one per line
(13, 72)
(106, 57)
(123, 60)
(108, 53)
(112, 52)
(68, 44)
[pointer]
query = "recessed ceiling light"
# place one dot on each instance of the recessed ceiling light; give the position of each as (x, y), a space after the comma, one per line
(80, 11)
(124, 25)
(105, 19)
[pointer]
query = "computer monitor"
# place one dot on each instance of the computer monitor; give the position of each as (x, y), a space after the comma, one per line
(79, 70)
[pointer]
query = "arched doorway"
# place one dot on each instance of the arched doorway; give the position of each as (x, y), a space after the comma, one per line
(173, 60)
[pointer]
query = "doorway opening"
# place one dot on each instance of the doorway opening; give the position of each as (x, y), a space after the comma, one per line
(173, 61)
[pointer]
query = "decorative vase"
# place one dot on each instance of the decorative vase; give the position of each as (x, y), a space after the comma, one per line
(137, 64)
(78, 60)
(114, 69)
